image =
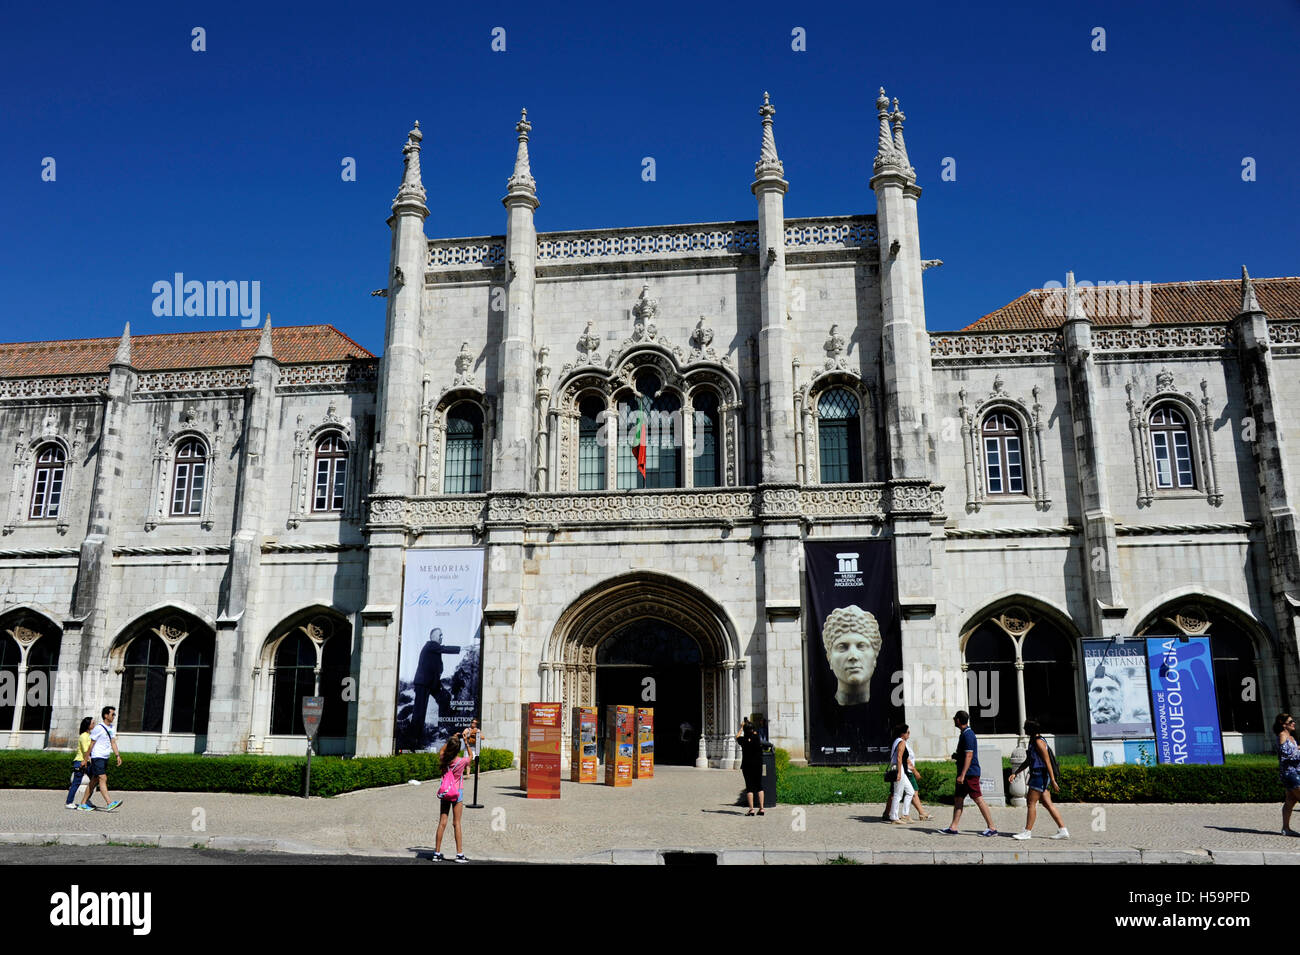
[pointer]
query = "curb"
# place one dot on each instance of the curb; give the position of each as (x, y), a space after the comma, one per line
(640, 856)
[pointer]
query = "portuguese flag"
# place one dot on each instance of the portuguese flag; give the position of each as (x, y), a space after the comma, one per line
(641, 436)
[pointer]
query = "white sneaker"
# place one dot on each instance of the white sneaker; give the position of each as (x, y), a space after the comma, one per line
(71, 805)
(1023, 835)
(1063, 834)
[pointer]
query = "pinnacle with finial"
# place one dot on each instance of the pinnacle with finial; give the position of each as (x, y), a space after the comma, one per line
(886, 155)
(1249, 303)
(123, 354)
(411, 192)
(900, 148)
(769, 165)
(1073, 304)
(264, 344)
(521, 183)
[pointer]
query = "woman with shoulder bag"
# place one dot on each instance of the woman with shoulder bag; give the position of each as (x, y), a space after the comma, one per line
(1042, 774)
(899, 758)
(451, 795)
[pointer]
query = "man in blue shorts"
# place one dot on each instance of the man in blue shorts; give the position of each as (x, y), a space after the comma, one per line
(968, 776)
(103, 740)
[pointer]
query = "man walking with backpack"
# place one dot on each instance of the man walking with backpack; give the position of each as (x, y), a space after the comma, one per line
(1043, 772)
(968, 777)
(103, 740)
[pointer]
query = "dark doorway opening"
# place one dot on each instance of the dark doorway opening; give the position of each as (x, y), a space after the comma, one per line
(652, 663)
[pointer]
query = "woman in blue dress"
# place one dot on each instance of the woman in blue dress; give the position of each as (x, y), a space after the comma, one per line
(1288, 767)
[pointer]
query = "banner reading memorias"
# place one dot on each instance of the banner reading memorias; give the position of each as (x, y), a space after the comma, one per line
(854, 648)
(441, 643)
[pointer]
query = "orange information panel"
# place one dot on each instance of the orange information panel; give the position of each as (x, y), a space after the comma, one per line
(620, 744)
(582, 765)
(645, 742)
(542, 729)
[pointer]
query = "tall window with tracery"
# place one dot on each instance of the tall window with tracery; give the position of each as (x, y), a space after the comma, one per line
(653, 417)
(839, 439)
(1171, 449)
(591, 450)
(189, 476)
(707, 459)
(331, 473)
(47, 485)
(1004, 467)
(464, 468)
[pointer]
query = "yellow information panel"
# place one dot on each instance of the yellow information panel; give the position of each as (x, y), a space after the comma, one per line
(645, 742)
(620, 744)
(582, 764)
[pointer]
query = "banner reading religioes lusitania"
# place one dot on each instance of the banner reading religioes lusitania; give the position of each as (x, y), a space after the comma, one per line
(1186, 711)
(1119, 706)
(441, 646)
(854, 648)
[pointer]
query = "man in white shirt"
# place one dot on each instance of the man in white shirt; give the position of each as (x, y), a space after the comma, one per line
(103, 740)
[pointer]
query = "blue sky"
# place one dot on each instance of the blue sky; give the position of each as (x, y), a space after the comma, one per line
(225, 164)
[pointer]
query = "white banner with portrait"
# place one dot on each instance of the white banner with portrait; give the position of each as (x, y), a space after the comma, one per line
(439, 660)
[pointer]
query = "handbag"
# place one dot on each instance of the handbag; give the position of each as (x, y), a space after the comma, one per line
(891, 775)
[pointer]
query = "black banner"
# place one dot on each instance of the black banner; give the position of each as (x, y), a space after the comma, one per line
(854, 648)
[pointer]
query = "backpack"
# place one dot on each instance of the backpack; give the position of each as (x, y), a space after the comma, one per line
(450, 788)
(1051, 757)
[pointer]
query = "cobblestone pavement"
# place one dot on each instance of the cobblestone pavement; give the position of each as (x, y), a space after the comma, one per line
(681, 808)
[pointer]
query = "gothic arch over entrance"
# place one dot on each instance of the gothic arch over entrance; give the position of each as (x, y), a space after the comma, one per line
(570, 659)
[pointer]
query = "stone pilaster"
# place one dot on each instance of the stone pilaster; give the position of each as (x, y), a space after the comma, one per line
(78, 683)
(1106, 608)
(1268, 452)
(512, 452)
(903, 313)
(240, 624)
(776, 375)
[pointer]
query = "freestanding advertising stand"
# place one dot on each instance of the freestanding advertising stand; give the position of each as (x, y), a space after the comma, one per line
(582, 763)
(542, 724)
(620, 745)
(645, 742)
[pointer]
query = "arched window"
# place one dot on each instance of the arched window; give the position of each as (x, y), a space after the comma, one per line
(464, 468)
(1171, 448)
(839, 440)
(1004, 468)
(189, 474)
(331, 473)
(47, 485)
(295, 677)
(42, 659)
(708, 471)
(144, 685)
(1048, 658)
(192, 690)
(11, 656)
(651, 424)
(591, 449)
(336, 664)
(991, 681)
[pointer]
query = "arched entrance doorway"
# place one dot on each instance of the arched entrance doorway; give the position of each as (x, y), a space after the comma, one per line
(650, 626)
(653, 663)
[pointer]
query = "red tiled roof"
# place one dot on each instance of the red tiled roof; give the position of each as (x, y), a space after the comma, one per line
(215, 349)
(1171, 303)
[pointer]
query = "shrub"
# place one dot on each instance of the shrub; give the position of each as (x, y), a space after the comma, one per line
(283, 775)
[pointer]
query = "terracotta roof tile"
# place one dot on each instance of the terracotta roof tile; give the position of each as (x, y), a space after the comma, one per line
(1171, 303)
(215, 349)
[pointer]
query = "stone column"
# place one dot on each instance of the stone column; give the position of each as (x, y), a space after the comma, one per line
(1106, 608)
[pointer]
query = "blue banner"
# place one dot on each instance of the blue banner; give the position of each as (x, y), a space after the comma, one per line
(1185, 711)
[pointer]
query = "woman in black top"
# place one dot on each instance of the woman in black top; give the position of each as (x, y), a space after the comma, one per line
(751, 765)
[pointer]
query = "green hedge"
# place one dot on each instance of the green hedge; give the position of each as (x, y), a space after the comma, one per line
(283, 775)
(1242, 779)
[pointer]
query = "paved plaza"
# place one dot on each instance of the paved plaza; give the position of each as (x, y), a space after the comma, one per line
(680, 809)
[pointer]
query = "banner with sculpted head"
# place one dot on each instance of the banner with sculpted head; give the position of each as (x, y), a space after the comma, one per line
(854, 648)
(442, 633)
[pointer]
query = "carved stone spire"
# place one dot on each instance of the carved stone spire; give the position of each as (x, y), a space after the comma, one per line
(885, 152)
(900, 148)
(1249, 303)
(264, 345)
(123, 354)
(1073, 304)
(769, 164)
(411, 191)
(522, 185)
